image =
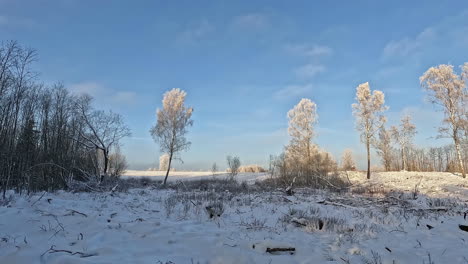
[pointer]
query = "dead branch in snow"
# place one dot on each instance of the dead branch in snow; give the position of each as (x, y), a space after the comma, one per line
(82, 255)
(290, 250)
(336, 204)
(39, 199)
(463, 227)
(73, 212)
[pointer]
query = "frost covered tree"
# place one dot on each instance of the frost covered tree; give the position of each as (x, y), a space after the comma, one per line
(404, 135)
(302, 119)
(384, 147)
(163, 162)
(172, 122)
(369, 115)
(449, 91)
(347, 160)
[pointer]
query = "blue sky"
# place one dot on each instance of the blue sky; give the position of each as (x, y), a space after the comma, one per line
(244, 64)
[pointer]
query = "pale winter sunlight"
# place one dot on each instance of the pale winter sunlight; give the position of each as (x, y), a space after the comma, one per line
(225, 132)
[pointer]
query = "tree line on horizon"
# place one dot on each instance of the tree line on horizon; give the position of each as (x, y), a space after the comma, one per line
(50, 137)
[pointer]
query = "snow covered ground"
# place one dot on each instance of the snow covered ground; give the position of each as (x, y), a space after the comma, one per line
(385, 220)
(193, 175)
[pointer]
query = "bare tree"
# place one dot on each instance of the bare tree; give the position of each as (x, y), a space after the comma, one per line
(104, 129)
(404, 136)
(369, 115)
(117, 163)
(233, 166)
(214, 169)
(172, 123)
(347, 160)
(448, 90)
(384, 148)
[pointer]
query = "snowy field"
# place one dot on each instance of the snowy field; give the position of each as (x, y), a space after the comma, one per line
(193, 175)
(397, 217)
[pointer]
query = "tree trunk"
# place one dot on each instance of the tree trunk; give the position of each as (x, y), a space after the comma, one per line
(106, 160)
(403, 157)
(168, 169)
(460, 160)
(368, 158)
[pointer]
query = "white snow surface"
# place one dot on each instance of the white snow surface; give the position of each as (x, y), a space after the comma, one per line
(194, 175)
(388, 223)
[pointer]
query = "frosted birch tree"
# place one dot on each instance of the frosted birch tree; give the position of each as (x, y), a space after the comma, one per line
(172, 122)
(384, 147)
(347, 160)
(302, 119)
(369, 115)
(163, 162)
(449, 91)
(404, 135)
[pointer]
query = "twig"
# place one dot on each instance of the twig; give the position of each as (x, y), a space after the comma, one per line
(39, 199)
(336, 204)
(73, 212)
(82, 255)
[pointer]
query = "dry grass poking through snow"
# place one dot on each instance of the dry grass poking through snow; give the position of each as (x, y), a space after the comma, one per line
(386, 220)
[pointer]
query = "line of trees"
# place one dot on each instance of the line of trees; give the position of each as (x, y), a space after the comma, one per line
(445, 89)
(49, 136)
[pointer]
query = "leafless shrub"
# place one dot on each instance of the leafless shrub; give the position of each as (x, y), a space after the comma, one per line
(319, 171)
(215, 209)
(233, 166)
(253, 223)
(117, 164)
(251, 168)
(6, 201)
(214, 169)
(169, 205)
(373, 190)
(214, 185)
(373, 259)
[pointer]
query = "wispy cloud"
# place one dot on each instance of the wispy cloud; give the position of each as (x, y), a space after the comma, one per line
(293, 91)
(92, 88)
(196, 32)
(251, 21)
(309, 70)
(126, 98)
(15, 21)
(408, 46)
(308, 50)
(100, 92)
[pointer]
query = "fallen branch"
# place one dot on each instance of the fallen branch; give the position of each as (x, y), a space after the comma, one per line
(463, 227)
(278, 250)
(73, 212)
(336, 204)
(82, 255)
(39, 199)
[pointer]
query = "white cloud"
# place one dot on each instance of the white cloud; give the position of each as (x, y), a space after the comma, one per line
(309, 50)
(92, 88)
(309, 70)
(104, 94)
(196, 32)
(407, 46)
(126, 98)
(251, 21)
(293, 91)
